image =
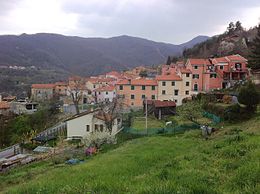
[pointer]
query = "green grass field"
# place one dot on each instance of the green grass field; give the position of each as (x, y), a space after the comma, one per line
(227, 163)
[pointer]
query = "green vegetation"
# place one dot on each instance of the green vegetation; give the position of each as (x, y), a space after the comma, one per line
(158, 164)
(228, 162)
(254, 61)
(152, 122)
(24, 127)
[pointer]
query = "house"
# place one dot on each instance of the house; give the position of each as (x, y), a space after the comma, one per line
(61, 88)
(82, 125)
(217, 73)
(134, 91)
(41, 92)
(4, 107)
(159, 108)
(173, 87)
(105, 94)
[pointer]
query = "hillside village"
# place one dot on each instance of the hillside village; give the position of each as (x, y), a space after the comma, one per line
(188, 126)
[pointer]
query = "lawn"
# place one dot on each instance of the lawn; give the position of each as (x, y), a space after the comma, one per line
(152, 122)
(185, 163)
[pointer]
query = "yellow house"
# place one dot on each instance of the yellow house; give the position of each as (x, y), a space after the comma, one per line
(174, 87)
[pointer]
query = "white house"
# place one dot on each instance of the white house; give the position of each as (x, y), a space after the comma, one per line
(105, 94)
(82, 125)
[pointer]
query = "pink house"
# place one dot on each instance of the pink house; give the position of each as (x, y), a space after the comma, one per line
(217, 73)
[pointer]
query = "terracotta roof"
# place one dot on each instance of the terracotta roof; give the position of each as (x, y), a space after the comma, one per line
(4, 105)
(159, 103)
(61, 84)
(114, 73)
(43, 86)
(104, 116)
(144, 82)
(105, 89)
(171, 77)
(199, 61)
(82, 114)
(123, 82)
(184, 70)
(236, 58)
(98, 80)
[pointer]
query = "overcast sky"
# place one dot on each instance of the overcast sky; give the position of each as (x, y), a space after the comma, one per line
(172, 21)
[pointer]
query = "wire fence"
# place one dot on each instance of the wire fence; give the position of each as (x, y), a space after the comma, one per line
(168, 130)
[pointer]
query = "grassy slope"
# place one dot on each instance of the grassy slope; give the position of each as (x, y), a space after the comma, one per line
(160, 164)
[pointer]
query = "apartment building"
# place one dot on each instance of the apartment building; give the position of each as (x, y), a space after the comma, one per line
(134, 91)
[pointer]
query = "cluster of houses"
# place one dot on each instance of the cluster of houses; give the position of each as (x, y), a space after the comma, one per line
(173, 82)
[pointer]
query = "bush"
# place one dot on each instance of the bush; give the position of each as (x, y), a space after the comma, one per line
(249, 96)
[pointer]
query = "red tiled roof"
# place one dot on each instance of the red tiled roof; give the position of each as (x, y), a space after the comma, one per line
(105, 88)
(171, 77)
(236, 58)
(61, 84)
(97, 79)
(114, 73)
(159, 103)
(43, 86)
(4, 105)
(144, 82)
(199, 61)
(123, 82)
(184, 70)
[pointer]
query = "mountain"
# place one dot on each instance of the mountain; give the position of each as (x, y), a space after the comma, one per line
(194, 41)
(85, 56)
(53, 57)
(235, 42)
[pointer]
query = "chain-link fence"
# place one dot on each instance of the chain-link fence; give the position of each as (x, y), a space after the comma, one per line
(167, 130)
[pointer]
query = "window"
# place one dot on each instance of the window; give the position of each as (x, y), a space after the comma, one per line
(99, 93)
(187, 83)
(106, 93)
(176, 92)
(96, 127)
(89, 92)
(163, 83)
(213, 75)
(132, 104)
(153, 97)
(132, 96)
(121, 87)
(132, 87)
(196, 67)
(173, 83)
(163, 92)
(94, 86)
(87, 128)
(195, 87)
(195, 76)
(187, 92)
(153, 87)
(187, 75)
(238, 65)
(175, 101)
(143, 96)
(221, 67)
(143, 87)
(101, 128)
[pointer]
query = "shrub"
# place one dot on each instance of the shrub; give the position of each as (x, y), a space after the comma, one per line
(249, 96)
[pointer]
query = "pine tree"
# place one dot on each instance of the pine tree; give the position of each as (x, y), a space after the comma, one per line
(254, 58)
(169, 61)
(238, 26)
(230, 28)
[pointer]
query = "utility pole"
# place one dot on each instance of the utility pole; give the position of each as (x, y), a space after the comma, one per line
(146, 115)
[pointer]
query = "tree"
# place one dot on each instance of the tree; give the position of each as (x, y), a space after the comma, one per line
(249, 96)
(76, 92)
(168, 60)
(230, 28)
(254, 58)
(239, 26)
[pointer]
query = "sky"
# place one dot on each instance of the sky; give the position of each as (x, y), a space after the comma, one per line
(171, 21)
